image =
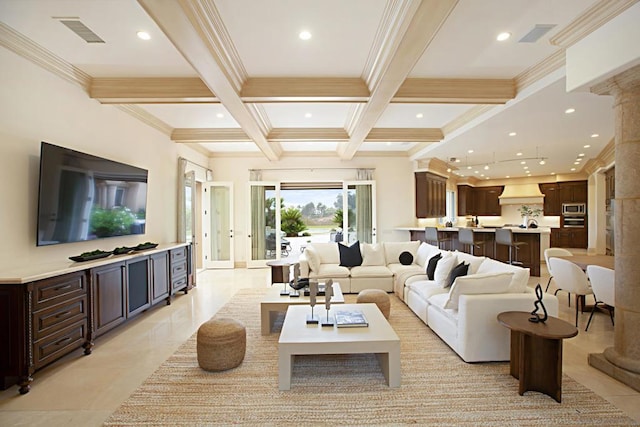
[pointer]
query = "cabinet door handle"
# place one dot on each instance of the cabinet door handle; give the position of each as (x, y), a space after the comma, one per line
(63, 340)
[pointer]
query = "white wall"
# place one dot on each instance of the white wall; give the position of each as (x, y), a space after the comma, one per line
(35, 106)
(395, 187)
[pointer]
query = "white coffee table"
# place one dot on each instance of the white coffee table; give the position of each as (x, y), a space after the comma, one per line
(297, 338)
(274, 303)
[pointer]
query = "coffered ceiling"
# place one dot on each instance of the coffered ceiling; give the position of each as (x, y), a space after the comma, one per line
(420, 79)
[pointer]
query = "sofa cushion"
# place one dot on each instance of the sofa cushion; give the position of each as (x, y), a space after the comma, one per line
(405, 258)
(473, 261)
(350, 256)
(371, 271)
(372, 254)
(312, 257)
(478, 284)
(431, 265)
(332, 271)
(439, 301)
(520, 275)
(392, 250)
(424, 253)
(457, 271)
(443, 269)
(327, 252)
(426, 288)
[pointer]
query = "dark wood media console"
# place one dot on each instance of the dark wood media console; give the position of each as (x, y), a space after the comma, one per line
(49, 314)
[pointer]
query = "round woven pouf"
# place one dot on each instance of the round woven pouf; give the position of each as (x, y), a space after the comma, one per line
(377, 296)
(221, 344)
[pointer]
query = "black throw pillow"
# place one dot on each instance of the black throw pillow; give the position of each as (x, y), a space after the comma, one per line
(431, 265)
(459, 270)
(406, 258)
(350, 256)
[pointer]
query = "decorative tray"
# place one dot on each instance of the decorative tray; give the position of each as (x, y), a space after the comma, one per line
(122, 250)
(88, 256)
(146, 245)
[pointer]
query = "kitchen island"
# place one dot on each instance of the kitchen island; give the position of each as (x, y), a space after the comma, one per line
(536, 239)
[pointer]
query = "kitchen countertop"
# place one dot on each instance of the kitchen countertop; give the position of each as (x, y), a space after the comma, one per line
(539, 230)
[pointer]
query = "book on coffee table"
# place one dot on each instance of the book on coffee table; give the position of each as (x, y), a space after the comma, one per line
(350, 319)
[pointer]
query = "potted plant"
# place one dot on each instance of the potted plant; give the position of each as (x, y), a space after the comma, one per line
(527, 212)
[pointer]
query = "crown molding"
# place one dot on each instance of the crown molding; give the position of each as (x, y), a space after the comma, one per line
(28, 49)
(469, 115)
(404, 135)
(459, 91)
(542, 69)
(188, 135)
(314, 89)
(151, 90)
(592, 19)
(145, 117)
(608, 154)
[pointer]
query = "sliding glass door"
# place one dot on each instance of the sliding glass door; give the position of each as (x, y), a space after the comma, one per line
(264, 223)
(218, 227)
(359, 203)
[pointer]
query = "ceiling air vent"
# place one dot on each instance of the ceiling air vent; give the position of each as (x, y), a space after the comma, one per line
(81, 30)
(538, 31)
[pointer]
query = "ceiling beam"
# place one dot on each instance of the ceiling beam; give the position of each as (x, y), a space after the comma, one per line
(404, 135)
(422, 27)
(458, 91)
(295, 89)
(189, 135)
(308, 134)
(150, 90)
(191, 27)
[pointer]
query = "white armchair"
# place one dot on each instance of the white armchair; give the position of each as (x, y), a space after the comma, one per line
(603, 284)
(569, 277)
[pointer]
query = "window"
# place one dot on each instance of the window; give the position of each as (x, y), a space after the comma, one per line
(451, 206)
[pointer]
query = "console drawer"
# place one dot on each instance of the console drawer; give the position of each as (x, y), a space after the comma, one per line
(57, 345)
(178, 254)
(54, 318)
(178, 283)
(57, 289)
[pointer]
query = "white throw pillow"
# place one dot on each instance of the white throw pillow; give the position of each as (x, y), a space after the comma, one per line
(477, 284)
(520, 275)
(443, 269)
(372, 254)
(424, 253)
(312, 258)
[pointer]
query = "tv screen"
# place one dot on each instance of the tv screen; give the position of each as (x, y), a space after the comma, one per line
(84, 197)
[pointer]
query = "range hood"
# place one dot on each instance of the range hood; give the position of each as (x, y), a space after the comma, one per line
(521, 194)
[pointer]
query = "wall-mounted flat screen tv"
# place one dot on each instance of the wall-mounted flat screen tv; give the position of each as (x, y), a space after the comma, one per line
(84, 197)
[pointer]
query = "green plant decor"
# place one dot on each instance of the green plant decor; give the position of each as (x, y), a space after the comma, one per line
(526, 210)
(111, 222)
(338, 217)
(291, 222)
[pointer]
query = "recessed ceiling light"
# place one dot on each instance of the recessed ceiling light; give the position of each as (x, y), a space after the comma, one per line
(576, 163)
(448, 169)
(419, 115)
(570, 110)
(143, 35)
(468, 167)
(481, 174)
(595, 135)
(220, 115)
(486, 167)
(573, 169)
(581, 155)
(508, 176)
(553, 173)
(503, 36)
(457, 160)
(304, 35)
(487, 177)
(470, 151)
(526, 167)
(476, 172)
(518, 154)
(586, 146)
(307, 115)
(542, 162)
(512, 134)
(523, 162)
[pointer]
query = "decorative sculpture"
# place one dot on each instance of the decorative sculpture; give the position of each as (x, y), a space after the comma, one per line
(536, 317)
(313, 291)
(295, 282)
(328, 293)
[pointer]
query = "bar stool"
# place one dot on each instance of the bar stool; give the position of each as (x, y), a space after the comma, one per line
(504, 236)
(467, 236)
(431, 235)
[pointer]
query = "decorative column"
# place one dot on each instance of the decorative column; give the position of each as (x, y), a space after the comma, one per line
(622, 361)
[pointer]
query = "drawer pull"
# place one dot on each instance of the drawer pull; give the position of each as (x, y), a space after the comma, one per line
(59, 288)
(59, 315)
(63, 340)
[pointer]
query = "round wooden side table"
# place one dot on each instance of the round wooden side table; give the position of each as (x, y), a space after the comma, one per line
(280, 270)
(536, 351)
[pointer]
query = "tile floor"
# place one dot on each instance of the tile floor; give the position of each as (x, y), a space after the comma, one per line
(84, 391)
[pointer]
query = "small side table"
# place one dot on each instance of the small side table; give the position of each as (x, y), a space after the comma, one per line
(536, 351)
(279, 270)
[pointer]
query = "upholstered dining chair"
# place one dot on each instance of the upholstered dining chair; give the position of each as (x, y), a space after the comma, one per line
(570, 278)
(548, 253)
(603, 284)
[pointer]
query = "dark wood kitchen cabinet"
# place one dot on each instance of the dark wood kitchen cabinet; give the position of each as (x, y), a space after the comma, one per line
(431, 195)
(573, 191)
(569, 238)
(483, 201)
(466, 200)
(552, 204)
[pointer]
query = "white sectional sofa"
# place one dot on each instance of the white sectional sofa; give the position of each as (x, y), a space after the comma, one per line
(463, 315)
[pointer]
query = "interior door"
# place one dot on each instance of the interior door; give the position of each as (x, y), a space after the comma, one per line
(264, 223)
(218, 228)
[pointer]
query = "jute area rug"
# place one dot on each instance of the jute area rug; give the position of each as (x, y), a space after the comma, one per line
(438, 388)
